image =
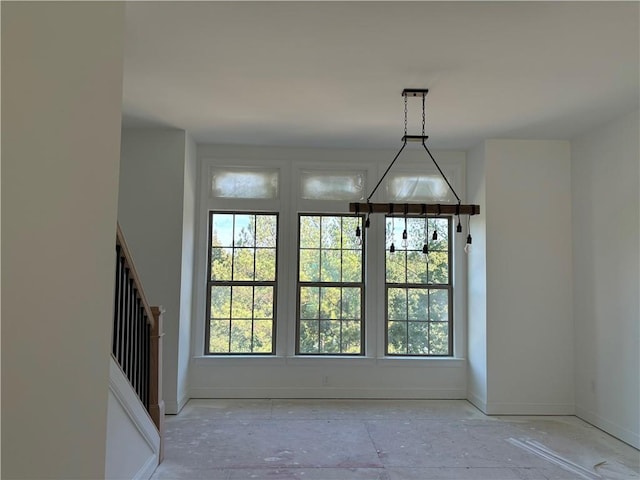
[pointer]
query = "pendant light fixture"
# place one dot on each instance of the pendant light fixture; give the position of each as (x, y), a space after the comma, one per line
(456, 209)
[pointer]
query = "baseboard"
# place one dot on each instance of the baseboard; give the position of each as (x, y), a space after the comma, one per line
(174, 408)
(507, 408)
(137, 417)
(147, 469)
(183, 401)
(618, 431)
(126, 396)
(328, 392)
(477, 402)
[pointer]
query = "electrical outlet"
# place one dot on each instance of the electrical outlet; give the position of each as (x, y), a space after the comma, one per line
(325, 380)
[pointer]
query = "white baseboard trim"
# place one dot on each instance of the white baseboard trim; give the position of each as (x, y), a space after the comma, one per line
(477, 402)
(128, 399)
(183, 401)
(506, 408)
(126, 396)
(174, 408)
(328, 392)
(618, 431)
(147, 469)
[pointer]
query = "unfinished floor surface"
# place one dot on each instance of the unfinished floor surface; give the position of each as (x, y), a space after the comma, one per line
(383, 440)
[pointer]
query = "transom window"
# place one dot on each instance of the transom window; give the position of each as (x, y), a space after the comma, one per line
(330, 286)
(241, 285)
(418, 286)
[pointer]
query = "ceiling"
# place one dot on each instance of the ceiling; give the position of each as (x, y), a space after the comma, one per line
(330, 74)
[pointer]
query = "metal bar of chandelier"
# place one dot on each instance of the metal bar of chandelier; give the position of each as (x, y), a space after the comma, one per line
(414, 208)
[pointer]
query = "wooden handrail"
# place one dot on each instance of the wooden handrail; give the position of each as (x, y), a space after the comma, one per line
(125, 253)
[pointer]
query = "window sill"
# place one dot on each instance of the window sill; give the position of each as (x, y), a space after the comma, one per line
(449, 362)
(302, 361)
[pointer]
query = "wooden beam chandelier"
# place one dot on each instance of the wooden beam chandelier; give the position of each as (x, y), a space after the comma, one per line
(423, 209)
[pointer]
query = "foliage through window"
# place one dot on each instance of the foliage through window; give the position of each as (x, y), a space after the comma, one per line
(418, 287)
(330, 286)
(242, 283)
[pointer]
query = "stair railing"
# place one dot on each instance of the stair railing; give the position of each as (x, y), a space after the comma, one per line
(137, 336)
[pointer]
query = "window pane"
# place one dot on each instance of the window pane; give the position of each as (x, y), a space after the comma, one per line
(262, 336)
(416, 233)
(438, 305)
(441, 227)
(244, 231)
(351, 266)
(349, 239)
(351, 337)
(266, 230)
(309, 265)
(331, 232)
(263, 302)
(220, 302)
(397, 303)
(309, 302)
(394, 229)
(241, 334)
(418, 300)
(243, 264)
(222, 230)
(265, 264)
(414, 187)
(439, 339)
(229, 183)
(334, 186)
(397, 338)
(396, 262)
(219, 331)
(418, 338)
(416, 267)
(309, 232)
(351, 308)
(309, 331)
(330, 302)
(329, 336)
(221, 259)
(331, 266)
(438, 267)
(242, 302)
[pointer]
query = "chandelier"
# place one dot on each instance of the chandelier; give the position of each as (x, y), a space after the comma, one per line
(422, 209)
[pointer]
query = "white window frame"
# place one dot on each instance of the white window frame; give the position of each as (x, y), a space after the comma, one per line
(288, 204)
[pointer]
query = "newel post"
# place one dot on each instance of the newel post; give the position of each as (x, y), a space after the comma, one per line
(156, 403)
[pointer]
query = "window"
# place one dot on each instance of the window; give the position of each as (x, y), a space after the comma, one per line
(330, 286)
(319, 185)
(283, 279)
(241, 285)
(244, 183)
(418, 287)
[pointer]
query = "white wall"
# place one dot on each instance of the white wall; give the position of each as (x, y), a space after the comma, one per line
(605, 186)
(61, 110)
(477, 281)
(187, 268)
(527, 230)
(529, 277)
(286, 375)
(150, 212)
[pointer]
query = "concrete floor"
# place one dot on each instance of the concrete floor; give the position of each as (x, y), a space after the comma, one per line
(383, 440)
